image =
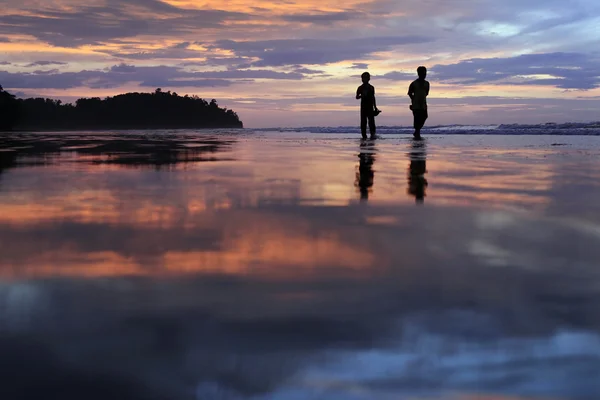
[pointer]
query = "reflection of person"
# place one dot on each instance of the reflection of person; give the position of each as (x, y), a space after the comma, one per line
(365, 174)
(368, 106)
(418, 92)
(416, 171)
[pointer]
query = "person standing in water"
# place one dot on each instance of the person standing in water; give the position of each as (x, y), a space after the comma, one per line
(418, 92)
(368, 106)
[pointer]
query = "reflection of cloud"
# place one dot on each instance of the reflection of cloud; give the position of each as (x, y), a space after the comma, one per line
(412, 322)
(216, 245)
(36, 371)
(221, 279)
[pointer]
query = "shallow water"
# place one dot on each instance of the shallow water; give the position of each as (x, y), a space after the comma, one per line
(266, 266)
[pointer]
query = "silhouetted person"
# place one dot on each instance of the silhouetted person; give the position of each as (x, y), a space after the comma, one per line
(418, 92)
(368, 106)
(365, 174)
(416, 171)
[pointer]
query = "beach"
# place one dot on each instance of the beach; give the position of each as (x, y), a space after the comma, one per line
(301, 264)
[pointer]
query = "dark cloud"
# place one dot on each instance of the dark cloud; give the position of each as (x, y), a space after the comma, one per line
(567, 70)
(118, 75)
(314, 51)
(4, 40)
(5, 63)
(177, 51)
(123, 68)
(182, 45)
(44, 63)
(308, 71)
(46, 72)
(360, 66)
(239, 62)
(397, 76)
(325, 18)
(115, 19)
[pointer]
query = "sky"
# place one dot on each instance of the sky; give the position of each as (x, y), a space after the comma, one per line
(298, 63)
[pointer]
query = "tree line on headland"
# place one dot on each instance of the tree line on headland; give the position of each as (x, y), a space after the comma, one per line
(158, 110)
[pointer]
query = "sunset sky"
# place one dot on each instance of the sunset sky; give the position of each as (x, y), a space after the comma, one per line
(297, 63)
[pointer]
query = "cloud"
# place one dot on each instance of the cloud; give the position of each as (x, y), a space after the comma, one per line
(562, 70)
(116, 19)
(118, 75)
(44, 63)
(324, 18)
(308, 71)
(5, 63)
(360, 66)
(46, 72)
(219, 61)
(313, 51)
(397, 76)
(177, 51)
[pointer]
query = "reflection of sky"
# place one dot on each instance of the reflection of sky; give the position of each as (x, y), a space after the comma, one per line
(261, 275)
(285, 63)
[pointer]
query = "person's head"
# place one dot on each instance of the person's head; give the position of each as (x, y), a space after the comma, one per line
(422, 72)
(366, 77)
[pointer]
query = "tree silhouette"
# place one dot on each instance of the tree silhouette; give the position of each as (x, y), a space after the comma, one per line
(9, 110)
(158, 110)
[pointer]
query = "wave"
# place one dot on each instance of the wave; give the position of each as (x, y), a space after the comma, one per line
(572, 128)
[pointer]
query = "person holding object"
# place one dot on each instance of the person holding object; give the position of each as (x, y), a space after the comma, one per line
(418, 92)
(368, 106)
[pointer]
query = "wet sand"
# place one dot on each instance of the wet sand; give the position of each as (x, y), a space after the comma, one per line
(224, 265)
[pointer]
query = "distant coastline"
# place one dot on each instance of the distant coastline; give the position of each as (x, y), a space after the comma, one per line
(132, 111)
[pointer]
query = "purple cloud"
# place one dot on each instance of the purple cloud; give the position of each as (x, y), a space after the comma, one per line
(397, 76)
(313, 51)
(44, 63)
(360, 66)
(308, 71)
(48, 72)
(123, 68)
(87, 24)
(238, 62)
(118, 75)
(177, 51)
(324, 18)
(566, 70)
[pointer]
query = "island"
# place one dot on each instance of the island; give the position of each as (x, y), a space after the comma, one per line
(157, 110)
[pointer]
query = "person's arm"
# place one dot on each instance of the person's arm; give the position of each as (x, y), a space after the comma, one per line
(358, 93)
(427, 90)
(411, 92)
(374, 102)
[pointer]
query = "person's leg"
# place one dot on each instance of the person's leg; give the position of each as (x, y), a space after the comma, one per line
(363, 124)
(372, 127)
(422, 118)
(417, 123)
